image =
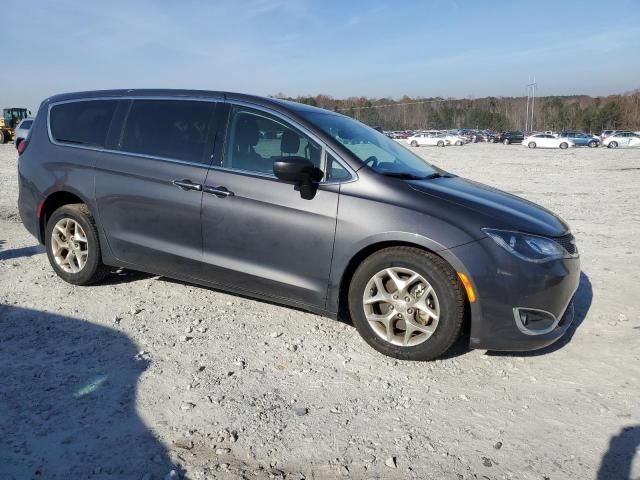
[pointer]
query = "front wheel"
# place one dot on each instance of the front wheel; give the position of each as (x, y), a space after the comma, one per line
(414, 143)
(593, 144)
(613, 145)
(532, 145)
(407, 303)
(72, 245)
(564, 145)
(507, 141)
(441, 143)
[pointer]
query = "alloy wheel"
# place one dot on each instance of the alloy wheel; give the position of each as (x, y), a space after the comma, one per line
(401, 306)
(69, 245)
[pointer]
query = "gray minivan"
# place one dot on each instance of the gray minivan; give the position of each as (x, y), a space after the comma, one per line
(296, 205)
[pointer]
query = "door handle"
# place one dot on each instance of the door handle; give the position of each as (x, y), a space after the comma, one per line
(220, 192)
(187, 185)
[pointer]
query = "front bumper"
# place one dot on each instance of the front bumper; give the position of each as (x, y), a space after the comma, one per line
(503, 284)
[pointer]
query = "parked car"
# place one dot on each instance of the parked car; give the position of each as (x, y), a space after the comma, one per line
(331, 217)
(622, 139)
(511, 137)
(581, 139)
(454, 138)
(22, 131)
(426, 139)
(545, 140)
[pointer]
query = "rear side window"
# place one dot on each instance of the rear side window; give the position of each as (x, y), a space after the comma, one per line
(176, 129)
(82, 123)
(26, 125)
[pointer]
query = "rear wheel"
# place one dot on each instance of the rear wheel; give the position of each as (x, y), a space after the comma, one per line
(407, 303)
(72, 244)
(564, 145)
(507, 141)
(531, 145)
(440, 143)
(414, 143)
(613, 145)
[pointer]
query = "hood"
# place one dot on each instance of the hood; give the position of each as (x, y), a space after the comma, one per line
(499, 209)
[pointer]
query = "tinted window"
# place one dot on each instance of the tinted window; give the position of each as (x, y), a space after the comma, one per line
(256, 139)
(26, 124)
(82, 123)
(169, 129)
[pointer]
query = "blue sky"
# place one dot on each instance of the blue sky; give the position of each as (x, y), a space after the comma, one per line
(340, 48)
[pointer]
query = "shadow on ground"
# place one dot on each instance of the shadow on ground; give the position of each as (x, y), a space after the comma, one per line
(618, 461)
(20, 252)
(67, 401)
(582, 303)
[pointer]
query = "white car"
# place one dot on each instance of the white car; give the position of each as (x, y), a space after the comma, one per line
(622, 139)
(455, 139)
(425, 139)
(545, 140)
(22, 131)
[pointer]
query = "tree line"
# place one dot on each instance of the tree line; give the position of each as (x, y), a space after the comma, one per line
(576, 112)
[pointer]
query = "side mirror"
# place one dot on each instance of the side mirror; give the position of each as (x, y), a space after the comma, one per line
(299, 171)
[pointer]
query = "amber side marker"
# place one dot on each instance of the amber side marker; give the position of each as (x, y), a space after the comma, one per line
(471, 295)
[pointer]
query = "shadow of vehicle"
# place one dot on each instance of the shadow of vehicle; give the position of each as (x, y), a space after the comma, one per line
(21, 252)
(582, 303)
(123, 275)
(68, 401)
(616, 463)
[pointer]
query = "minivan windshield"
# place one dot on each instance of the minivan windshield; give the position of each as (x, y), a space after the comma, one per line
(374, 149)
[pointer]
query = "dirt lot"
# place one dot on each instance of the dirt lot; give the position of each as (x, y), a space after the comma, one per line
(141, 375)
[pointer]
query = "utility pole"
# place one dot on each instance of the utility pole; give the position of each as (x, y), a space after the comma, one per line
(532, 89)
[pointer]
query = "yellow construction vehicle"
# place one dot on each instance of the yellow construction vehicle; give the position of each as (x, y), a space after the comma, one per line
(10, 119)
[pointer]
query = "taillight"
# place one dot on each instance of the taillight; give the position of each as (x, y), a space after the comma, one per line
(22, 146)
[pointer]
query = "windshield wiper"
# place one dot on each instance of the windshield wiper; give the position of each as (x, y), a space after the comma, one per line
(436, 175)
(403, 175)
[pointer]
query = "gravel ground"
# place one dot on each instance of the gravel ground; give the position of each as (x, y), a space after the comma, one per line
(141, 375)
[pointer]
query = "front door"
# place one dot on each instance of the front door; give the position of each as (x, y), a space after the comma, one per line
(149, 193)
(260, 235)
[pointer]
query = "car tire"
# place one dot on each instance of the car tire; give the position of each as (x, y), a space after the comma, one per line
(449, 303)
(440, 143)
(593, 144)
(77, 221)
(613, 145)
(532, 145)
(458, 144)
(564, 145)
(507, 141)
(414, 143)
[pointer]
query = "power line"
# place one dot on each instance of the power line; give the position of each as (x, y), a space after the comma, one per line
(390, 105)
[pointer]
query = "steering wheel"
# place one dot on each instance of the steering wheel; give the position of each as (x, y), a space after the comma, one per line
(372, 161)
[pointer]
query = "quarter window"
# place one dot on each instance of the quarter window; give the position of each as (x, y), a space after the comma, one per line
(177, 129)
(256, 139)
(335, 170)
(82, 123)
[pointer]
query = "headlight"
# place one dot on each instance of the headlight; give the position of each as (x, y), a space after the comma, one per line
(531, 248)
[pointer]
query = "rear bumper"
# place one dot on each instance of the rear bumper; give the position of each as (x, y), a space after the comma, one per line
(28, 201)
(504, 284)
